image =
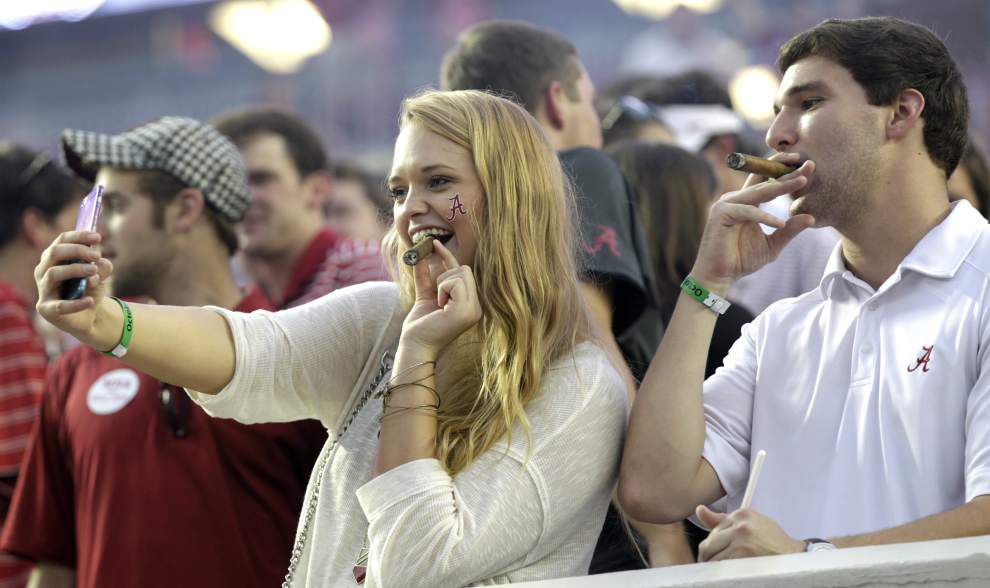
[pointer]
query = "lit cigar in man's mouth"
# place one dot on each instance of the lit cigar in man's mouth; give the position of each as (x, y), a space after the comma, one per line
(419, 252)
(757, 165)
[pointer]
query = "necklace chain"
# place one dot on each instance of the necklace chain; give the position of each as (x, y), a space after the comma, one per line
(310, 511)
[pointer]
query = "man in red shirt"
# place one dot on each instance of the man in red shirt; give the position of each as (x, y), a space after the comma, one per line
(126, 482)
(37, 202)
(289, 252)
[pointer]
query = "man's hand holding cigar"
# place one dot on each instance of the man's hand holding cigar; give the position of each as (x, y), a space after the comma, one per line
(732, 246)
(733, 243)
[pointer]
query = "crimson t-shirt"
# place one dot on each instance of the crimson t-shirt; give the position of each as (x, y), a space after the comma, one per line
(133, 491)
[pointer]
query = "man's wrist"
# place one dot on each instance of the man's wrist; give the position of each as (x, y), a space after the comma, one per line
(715, 285)
(706, 297)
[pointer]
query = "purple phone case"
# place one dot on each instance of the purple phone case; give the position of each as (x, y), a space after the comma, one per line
(89, 214)
(89, 210)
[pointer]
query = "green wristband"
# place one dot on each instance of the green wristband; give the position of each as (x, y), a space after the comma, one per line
(710, 299)
(125, 333)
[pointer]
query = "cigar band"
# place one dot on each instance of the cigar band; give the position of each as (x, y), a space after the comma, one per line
(710, 299)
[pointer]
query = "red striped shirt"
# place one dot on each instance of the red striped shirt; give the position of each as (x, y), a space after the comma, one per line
(22, 376)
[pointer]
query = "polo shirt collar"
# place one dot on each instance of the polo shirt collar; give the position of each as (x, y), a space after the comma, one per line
(938, 254)
(833, 270)
(943, 250)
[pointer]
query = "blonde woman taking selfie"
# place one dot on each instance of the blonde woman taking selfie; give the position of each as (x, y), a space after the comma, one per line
(475, 425)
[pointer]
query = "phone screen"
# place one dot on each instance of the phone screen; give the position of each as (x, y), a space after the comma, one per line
(89, 215)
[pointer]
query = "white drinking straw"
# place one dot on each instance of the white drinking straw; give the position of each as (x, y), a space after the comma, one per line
(754, 475)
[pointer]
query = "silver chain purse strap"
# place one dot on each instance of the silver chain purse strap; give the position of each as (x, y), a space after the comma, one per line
(310, 512)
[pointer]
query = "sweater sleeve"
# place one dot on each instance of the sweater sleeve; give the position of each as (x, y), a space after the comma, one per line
(510, 507)
(303, 362)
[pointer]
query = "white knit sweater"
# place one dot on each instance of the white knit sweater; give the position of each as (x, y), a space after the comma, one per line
(519, 512)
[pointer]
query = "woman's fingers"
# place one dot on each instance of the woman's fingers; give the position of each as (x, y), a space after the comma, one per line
(457, 294)
(68, 246)
(60, 273)
(57, 274)
(84, 237)
(104, 268)
(450, 288)
(454, 277)
(52, 308)
(449, 261)
(423, 281)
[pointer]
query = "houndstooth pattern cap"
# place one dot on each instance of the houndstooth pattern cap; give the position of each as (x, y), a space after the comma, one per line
(192, 151)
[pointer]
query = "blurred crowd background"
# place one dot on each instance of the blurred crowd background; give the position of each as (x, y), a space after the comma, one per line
(344, 65)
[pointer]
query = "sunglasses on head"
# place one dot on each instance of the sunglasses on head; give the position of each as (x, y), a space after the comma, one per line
(40, 161)
(630, 107)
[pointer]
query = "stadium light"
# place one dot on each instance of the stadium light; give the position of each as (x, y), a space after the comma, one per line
(752, 90)
(661, 9)
(278, 35)
(20, 15)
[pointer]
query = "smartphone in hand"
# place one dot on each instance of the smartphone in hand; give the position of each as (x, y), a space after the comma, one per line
(89, 214)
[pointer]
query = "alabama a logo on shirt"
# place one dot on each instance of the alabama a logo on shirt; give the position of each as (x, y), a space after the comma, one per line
(112, 391)
(922, 360)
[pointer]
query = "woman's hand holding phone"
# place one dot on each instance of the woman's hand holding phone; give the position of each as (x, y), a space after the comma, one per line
(72, 263)
(89, 215)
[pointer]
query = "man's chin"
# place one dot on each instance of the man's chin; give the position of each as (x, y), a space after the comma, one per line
(822, 218)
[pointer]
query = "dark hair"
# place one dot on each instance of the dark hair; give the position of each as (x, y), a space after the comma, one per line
(31, 180)
(374, 189)
(674, 189)
(974, 163)
(513, 58)
(162, 187)
(691, 87)
(886, 56)
(303, 142)
(699, 87)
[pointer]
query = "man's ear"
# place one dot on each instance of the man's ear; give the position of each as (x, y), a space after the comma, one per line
(553, 100)
(908, 107)
(317, 186)
(188, 207)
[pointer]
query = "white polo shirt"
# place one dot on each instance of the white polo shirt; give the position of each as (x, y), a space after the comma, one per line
(873, 405)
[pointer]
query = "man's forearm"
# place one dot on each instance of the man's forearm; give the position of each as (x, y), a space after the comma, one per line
(49, 575)
(968, 520)
(668, 544)
(660, 480)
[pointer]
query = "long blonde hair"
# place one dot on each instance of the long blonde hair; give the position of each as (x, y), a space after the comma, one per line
(532, 312)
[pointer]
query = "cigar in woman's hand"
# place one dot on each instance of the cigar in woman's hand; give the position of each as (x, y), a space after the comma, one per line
(419, 252)
(757, 165)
